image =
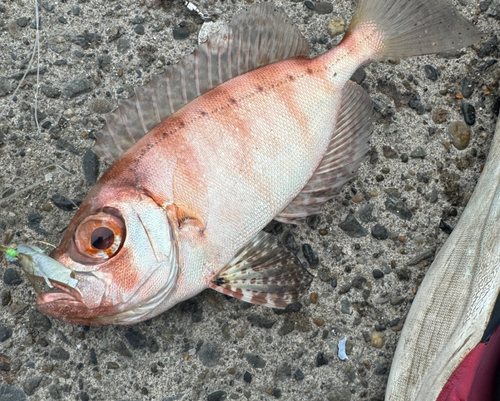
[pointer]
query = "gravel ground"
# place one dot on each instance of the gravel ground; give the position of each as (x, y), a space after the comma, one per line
(369, 249)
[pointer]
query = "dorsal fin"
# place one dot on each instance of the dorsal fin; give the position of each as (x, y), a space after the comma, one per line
(257, 37)
(345, 152)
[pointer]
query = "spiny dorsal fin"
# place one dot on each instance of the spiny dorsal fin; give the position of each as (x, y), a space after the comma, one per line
(264, 273)
(345, 152)
(257, 37)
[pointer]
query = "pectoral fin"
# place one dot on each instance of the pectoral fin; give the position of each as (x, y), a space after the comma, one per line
(264, 273)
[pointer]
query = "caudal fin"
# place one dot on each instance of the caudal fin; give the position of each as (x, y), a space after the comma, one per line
(412, 27)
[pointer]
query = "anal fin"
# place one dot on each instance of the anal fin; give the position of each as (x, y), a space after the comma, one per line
(264, 273)
(347, 148)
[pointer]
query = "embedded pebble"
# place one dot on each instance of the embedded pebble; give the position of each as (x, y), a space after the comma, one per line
(255, 361)
(389, 152)
(313, 221)
(321, 360)
(64, 203)
(323, 7)
(247, 377)
(398, 208)
(377, 339)
(440, 116)
(336, 26)
(5, 333)
(4, 86)
(32, 384)
(90, 165)
(59, 353)
(345, 306)
(379, 232)
(261, 321)
(11, 277)
(467, 87)
(469, 113)
(359, 76)
(310, 256)
(298, 375)
(51, 91)
(460, 134)
(180, 33)
(11, 393)
(430, 72)
(377, 274)
(418, 153)
(77, 87)
(217, 396)
(352, 227)
(209, 354)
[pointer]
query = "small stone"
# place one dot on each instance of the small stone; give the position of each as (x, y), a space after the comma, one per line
(59, 353)
(120, 347)
(359, 76)
(467, 87)
(365, 214)
(310, 5)
(389, 152)
(323, 8)
(284, 371)
(62, 20)
(255, 361)
(310, 256)
(247, 377)
(180, 33)
(5, 333)
(32, 384)
(377, 339)
(123, 45)
(440, 116)
(345, 306)
(276, 393)
(261, 321)
(469, 113)
(430, 72)
(359, 282)
(443, 225)
(352, 227)
(404, 158)
(313, 297)
(112, 365)
(380, 232)
(11, 277)
(136, 339)
(287, 327)
(101, 106)
(298, 375)
(209, 354)
(139, 29)
(404, 274)
(77, 87)
(38, 322)
(358, 197)
(336, 27)
(460, 134)
(217, 396)
(339, 394)
(321, 360)
(4, 86)
(397, 300)
(22, 22)
(11, 393)
(398, 208)
(377, 274)
(313, 221)
(64, 203)
(289, 241)
(319, 321)
(90, 165)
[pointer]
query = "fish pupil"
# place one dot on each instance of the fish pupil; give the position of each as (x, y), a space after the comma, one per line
(102, 238)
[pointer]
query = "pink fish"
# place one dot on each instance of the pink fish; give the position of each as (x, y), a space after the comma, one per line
(244, 130)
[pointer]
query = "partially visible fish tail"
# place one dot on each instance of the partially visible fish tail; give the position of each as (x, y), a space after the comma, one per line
(404, 28)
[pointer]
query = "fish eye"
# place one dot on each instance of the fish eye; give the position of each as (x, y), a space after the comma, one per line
(100, 236)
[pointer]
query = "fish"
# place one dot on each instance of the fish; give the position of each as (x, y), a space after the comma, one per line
(449, 348)
(246, 129)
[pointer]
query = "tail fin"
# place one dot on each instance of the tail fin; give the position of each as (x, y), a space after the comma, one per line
(413, 27)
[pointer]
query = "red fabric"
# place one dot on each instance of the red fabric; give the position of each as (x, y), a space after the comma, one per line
(474, 378)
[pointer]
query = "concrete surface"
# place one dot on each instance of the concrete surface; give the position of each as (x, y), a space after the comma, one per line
(213, 347)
